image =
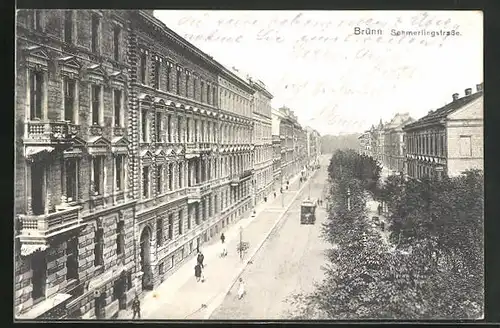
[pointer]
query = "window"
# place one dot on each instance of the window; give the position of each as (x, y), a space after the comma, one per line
(159, 178)
(180, 222)
(202, 139)
(144, 125)
(208, 94)
(169, 70)
(143, 67)
(202, 90)
(161, 268)
(188, 123)
(169, 128)
(39, 275)
(120, 172)
(194, 88)
(97, 174)
(213, 95)
(145, 182)
(37, 20)
(190, 217)
(72, 259)
(179, 129)
(71, 176)
(116, 43)
(36, 95)
(120, 237)
(95, 33)
(442, 145)
(69, 99)
(157, 73)
(465, 146)
(159, 232)
(99, 247)
(118, 107)
(96, 102)
(180, 175)
(68, 26)
(158, 127)
(178, 81)
(197, 214)
(187, 84)
(170, 176)
(170, 226)
(195, 130)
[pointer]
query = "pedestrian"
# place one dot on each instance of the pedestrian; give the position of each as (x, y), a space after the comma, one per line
(275, 194)
(136, 307)
(222, 238)
(197, 272)
(200, 259)
(241, 289)
(281, 190)
(379, 208)
(224, 250)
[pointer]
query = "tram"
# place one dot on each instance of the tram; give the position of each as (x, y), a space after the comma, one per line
(308, 212)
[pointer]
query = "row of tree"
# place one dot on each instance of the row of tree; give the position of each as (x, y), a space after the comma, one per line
(432, 270)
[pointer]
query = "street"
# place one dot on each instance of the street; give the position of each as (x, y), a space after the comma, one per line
(289, 262)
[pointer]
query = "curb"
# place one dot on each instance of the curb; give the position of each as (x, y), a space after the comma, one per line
(219, 298)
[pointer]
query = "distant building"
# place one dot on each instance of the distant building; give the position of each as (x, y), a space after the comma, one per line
(365, 143)
(313, 145)
(394, 145)
(448, 140)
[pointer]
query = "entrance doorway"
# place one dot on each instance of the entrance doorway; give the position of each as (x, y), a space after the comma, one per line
(145, 245)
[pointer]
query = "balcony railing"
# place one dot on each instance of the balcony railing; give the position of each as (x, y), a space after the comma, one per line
(245, 174)
(235, 180)
(194, 194)
(38, 132)
(36, 229)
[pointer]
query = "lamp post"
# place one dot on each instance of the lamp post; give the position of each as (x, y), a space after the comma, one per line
(348, 198)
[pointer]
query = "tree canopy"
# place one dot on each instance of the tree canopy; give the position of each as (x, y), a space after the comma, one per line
(433, 268)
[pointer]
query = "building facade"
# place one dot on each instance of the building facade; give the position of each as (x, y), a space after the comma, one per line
(262, 141)
(448, 140)
(365, 143)
(394, 143)
(74, 198)
(313, 146)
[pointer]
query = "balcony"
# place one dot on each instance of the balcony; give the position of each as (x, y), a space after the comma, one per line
(235, 180)
(36, 230)
(194, 194)
(50, 133)
(245, 174)
(195, 149)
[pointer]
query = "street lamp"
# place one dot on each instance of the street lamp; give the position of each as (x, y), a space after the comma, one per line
(348, 198)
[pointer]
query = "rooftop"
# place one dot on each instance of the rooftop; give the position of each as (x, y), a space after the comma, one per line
(440, 113)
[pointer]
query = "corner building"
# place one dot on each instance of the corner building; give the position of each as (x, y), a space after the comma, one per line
(74, 203)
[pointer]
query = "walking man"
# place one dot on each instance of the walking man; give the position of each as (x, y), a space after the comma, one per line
(379, 208)
(200, 259)
(136, 307)
(241, 289)
(224, 250)
(197, 272)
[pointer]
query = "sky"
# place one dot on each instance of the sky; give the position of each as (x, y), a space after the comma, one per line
(337, 81)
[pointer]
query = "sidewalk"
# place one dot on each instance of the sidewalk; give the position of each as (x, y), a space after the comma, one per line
(373, 211)
(181, 297)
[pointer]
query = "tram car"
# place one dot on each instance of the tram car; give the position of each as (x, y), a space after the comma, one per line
(308, 212)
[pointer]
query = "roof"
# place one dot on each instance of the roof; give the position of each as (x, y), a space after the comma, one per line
(398, 120)
(440, 113)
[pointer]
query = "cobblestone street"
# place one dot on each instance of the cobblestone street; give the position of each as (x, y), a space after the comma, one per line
(289, 262)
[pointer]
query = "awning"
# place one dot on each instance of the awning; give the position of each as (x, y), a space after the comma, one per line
(33, 150)
(28, 249)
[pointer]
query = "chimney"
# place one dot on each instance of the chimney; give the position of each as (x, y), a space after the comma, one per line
(455, 96)
(479, 87)
(468, 91)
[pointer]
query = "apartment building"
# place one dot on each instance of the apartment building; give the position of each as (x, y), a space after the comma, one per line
(74, 204)
(448, 140)
(394, 143)
(262, 140)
